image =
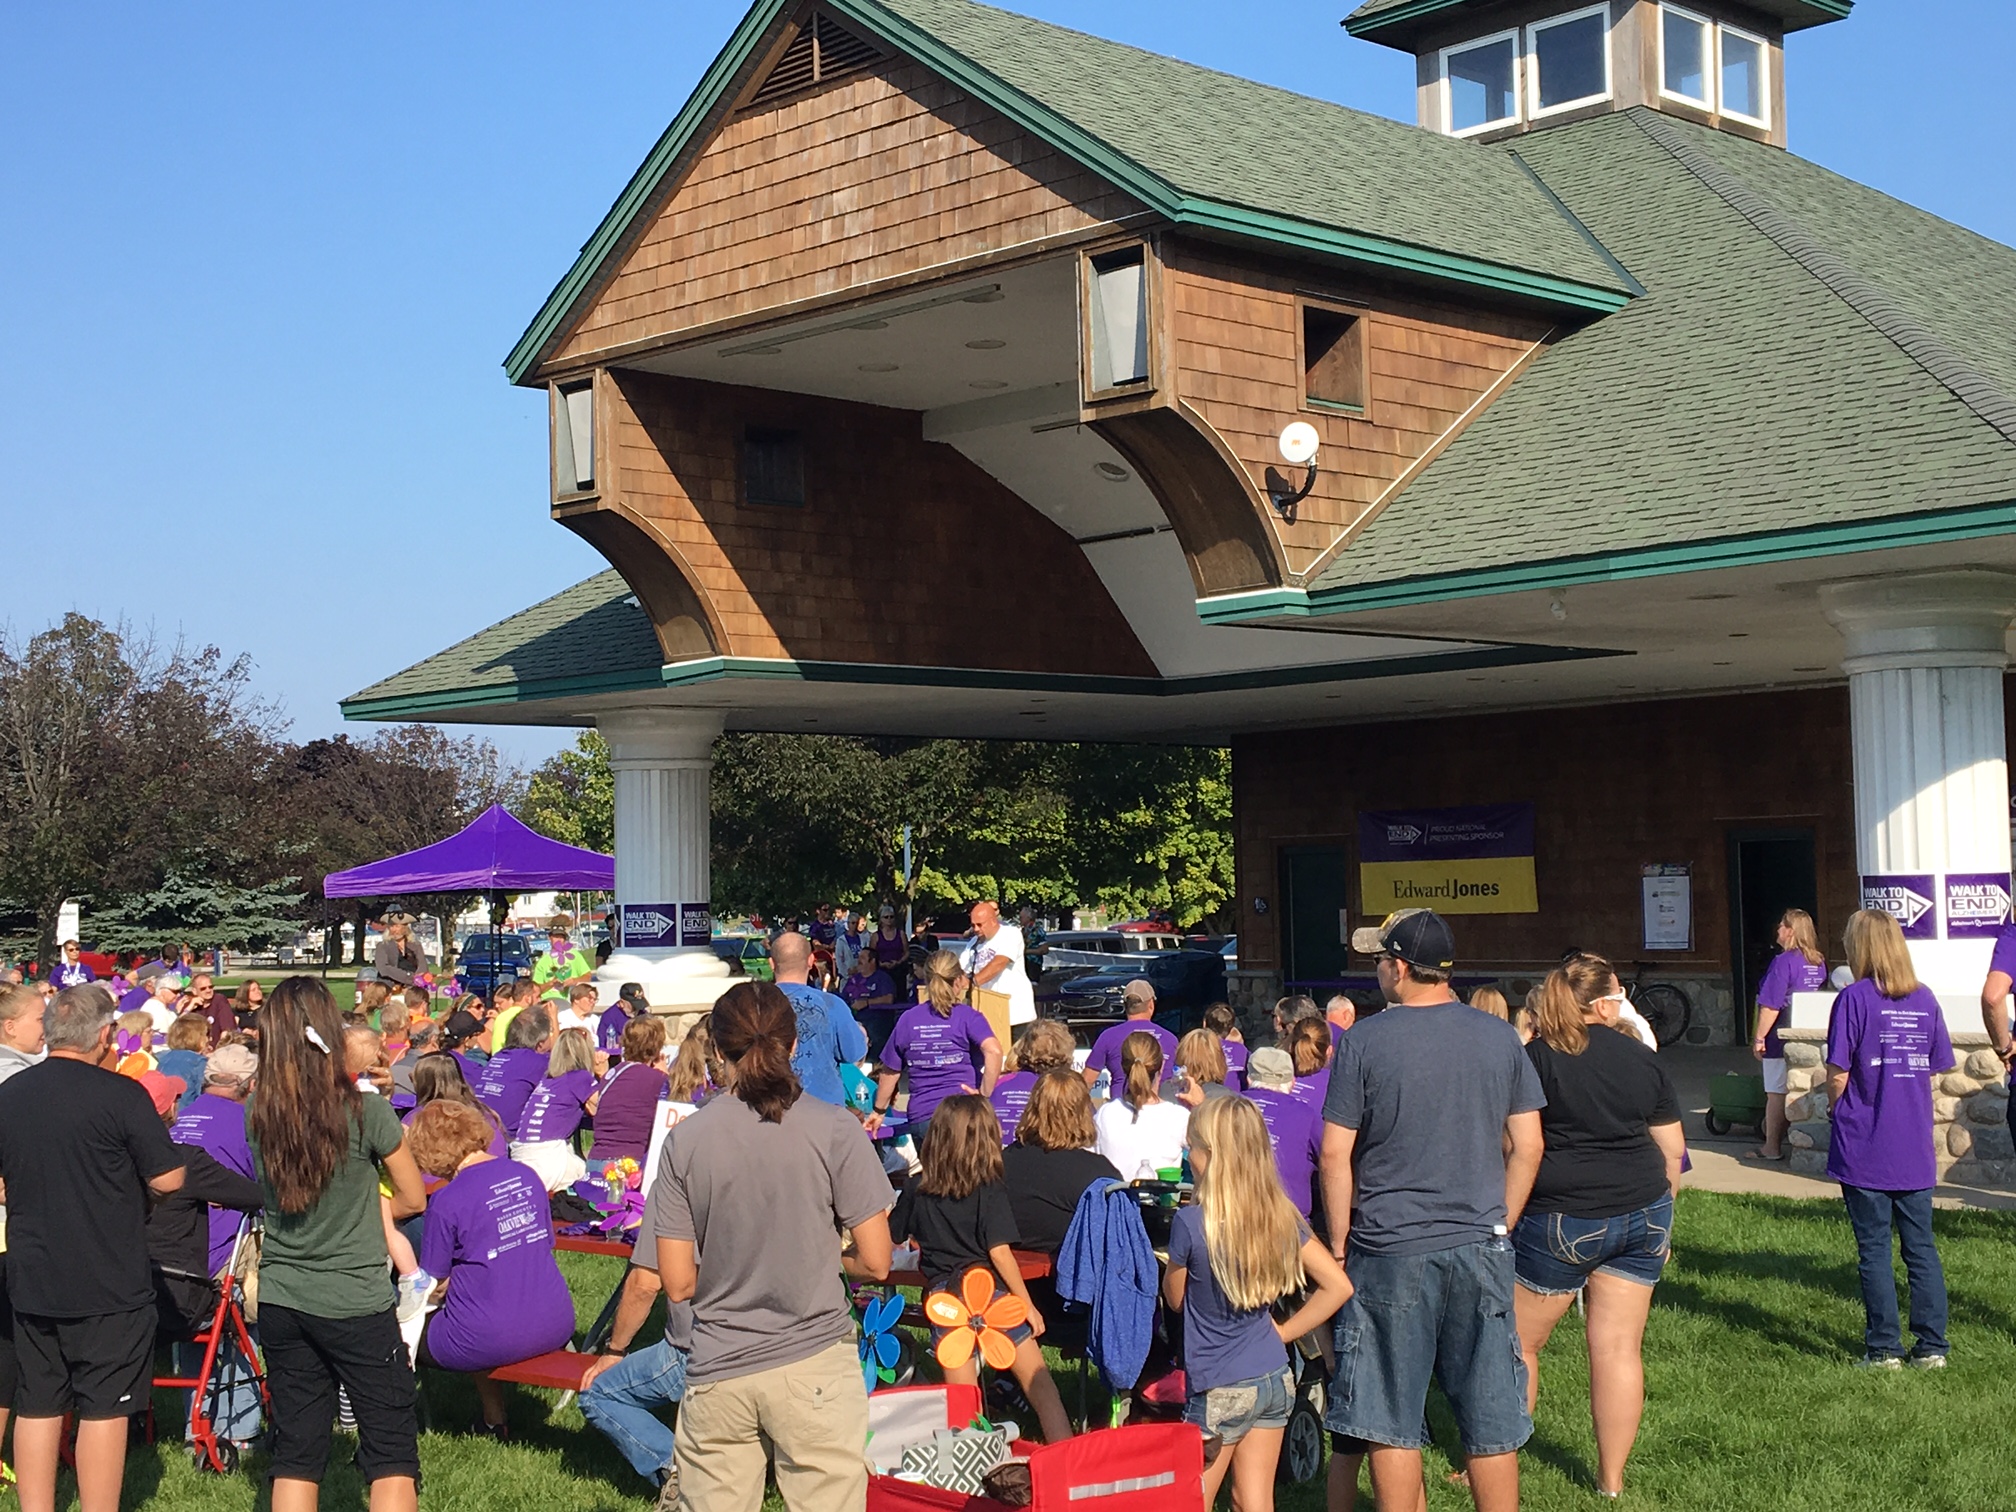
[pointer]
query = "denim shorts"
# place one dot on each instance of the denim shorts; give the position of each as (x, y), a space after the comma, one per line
(1446, 1316)
(1557, 1253)
(1234, 1411)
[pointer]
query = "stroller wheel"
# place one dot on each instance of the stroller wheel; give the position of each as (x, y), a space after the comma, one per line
(1302, 1444)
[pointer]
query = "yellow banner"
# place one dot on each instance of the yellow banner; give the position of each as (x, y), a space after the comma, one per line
(1501, 884)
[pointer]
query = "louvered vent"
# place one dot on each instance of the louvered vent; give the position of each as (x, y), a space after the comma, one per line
(822, 50)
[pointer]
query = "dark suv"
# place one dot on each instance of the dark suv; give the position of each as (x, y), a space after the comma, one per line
(1086, 971)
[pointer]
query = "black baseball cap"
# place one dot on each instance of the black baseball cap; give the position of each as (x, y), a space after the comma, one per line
(1418, 936)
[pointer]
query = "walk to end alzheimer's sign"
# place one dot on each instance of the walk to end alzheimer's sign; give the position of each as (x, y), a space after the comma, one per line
(1455, 860)
(661, 926)
(1936, 906)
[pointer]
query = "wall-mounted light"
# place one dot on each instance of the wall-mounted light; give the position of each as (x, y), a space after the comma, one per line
(1299, 443)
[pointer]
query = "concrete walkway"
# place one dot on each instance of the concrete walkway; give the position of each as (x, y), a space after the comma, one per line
(1723, 1163)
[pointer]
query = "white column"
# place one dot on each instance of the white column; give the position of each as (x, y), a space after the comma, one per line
(662, 760)
(1926, 653)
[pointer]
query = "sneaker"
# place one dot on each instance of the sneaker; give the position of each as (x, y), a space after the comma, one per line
(668, 1491)
(413, 1292)
(1927, 1362)
(1879, 1362)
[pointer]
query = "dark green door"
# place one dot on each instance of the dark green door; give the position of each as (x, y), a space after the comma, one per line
(1769, 871)
(1313, 932)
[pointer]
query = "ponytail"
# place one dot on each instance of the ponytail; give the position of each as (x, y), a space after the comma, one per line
(1141, 1060)
(754, 1029)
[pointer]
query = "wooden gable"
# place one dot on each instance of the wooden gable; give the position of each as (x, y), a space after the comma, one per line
(883, 175)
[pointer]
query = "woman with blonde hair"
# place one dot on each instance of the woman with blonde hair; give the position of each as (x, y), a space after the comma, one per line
(1136, 1130)
(1233, 1254)
(1046, 1045)
(1886, 1041)
(1201, 1070)
(1310, 1045)
(556, 1108)
(943, 1044)
(1600, 1220)
(1799, 967)
(1490, 1000)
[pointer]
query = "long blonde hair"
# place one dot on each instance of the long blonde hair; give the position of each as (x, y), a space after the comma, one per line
(941, 979)
(574, 1050)
(1805, 937)
(1141, 1063)
(1876, 950)
(1202, 1054)
(1252, 1233)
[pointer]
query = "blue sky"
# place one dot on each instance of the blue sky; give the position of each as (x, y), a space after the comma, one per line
(261, 263)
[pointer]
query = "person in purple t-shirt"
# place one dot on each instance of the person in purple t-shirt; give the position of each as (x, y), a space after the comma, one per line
(1995, 1007)
(1886, 1041)
(214, 1121)
(1310, 1046)
(506, 1080)
(554, 1109)
(489, 1243)
(871, 993)
(944, 1044)
(72, 970)
(1293, 1127)
(1799, 967)
(616, 1018)
(1223, 1022)
(1046, 1045)
(1137, 998)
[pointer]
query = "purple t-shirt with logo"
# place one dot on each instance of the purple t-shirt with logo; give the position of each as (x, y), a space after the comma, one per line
(857, 989)
(488, 1231)
(68, 975)
(1235, 1064)
(1296, 1131)
(1105, 1054)
(630, 1096)
(507, 1081)
(1311, 1090)
(1791, 972)
(942, 1055)
(556, 1107)
(1011, 1097)
(1891, 1049)
(610, 1026)
(217, 1125)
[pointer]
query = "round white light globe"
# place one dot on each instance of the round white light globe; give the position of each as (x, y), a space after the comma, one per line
(1299, 442)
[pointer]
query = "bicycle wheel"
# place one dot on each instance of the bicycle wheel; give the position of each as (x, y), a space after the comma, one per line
(1666, 1009)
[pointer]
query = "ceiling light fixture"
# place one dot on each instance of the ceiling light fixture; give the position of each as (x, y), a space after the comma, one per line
(1112, 472)
(988, 345)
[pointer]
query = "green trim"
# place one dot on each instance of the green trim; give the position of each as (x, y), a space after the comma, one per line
(1367, 26)
(609, 235)
(711, 669)
(1895, 533)
(1201, 213)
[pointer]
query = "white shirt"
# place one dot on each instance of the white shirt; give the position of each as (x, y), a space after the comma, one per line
(568, 1018)
(161, 1013)
(1014, 981)
(1153, 1140)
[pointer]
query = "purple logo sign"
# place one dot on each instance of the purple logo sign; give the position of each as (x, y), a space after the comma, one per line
(1912, 901)
(1977, 904)
(663, 926)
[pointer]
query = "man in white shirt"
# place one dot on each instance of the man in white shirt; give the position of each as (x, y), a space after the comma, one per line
(994, 961)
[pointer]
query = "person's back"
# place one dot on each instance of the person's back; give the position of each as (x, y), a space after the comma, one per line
(490, 1234)
(1295, 1130)
(1891, 1048)
(506, 1081)
(827, 1035)
(1599, 1160)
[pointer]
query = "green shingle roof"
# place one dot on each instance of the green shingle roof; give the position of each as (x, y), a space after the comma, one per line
(1396, 21)
(594, 631)
(1207, 150)
(1810, 354)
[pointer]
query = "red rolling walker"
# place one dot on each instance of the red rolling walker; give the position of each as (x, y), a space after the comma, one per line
(226, 1326)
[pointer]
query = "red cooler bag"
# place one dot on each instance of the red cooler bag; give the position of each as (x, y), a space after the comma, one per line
(1144, 1467)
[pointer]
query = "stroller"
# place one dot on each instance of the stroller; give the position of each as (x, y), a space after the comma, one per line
(226, 1329)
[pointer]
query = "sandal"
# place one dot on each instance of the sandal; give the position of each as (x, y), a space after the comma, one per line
(1778, 1159)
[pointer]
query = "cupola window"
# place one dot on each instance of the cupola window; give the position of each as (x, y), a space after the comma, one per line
(1480, 81)
(1570, 60)
(1743, 89)
(1686, 57)
(1713, 66)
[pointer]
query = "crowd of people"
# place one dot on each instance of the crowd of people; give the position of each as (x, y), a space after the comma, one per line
(1417, 1192)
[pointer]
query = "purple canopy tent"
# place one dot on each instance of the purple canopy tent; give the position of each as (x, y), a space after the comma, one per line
(495, 853)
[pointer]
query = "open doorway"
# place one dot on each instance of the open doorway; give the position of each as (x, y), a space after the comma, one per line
(1315, 933)
(1770, 870)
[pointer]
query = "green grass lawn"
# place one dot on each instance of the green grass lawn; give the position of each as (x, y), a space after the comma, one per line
(1751, 1400)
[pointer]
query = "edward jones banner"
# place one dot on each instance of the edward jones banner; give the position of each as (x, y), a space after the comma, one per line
(1454, 860)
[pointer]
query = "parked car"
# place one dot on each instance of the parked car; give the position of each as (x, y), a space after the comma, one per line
(1086, 971)
(747, 955)
(487, 961)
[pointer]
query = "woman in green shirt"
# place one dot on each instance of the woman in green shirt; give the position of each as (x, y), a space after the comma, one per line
(326, 1307)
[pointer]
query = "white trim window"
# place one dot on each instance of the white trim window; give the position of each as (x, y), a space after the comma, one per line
(1480, 84)
(1568, 61)
(1744, 76)
(1686, 57)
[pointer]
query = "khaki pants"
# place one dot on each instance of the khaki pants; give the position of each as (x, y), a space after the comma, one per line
(813, 1414)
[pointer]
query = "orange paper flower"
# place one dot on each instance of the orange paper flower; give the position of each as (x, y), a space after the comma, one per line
(976, 1317)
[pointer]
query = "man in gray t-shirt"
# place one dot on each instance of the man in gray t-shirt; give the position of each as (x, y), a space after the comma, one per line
(1420, 1197)
(749, 1213)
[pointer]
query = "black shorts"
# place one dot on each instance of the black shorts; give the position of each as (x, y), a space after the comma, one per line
(100, 1367)
(10, 1362)
(306, 1358)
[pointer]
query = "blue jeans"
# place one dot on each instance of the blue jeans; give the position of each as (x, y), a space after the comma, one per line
(1556, 1253)
(621, 1400)
(1445, 1315)
(1873, 1214)
(234, 1395)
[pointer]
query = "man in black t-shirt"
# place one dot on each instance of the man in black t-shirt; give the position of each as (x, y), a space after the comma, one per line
(80, 1149)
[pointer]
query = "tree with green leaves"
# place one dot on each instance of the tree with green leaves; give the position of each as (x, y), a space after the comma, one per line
(571, 796)
(191, 907)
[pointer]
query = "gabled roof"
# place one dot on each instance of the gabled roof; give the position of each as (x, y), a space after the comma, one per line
(1219, 154)
(1815, 367)
(1397, 22)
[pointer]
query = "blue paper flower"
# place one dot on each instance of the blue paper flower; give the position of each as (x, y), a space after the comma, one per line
(879, 1346)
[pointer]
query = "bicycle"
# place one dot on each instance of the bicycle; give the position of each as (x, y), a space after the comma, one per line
(1665, 1007)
